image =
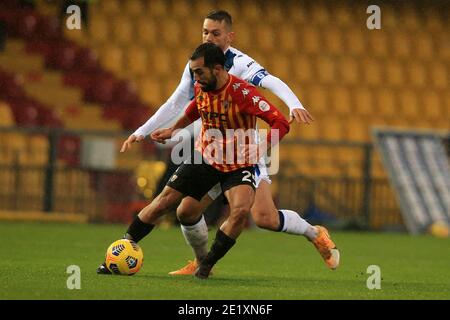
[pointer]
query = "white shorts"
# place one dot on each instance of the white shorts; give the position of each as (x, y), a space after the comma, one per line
(260, 174)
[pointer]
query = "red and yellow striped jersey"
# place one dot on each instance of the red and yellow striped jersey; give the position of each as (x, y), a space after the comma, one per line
(235, 106)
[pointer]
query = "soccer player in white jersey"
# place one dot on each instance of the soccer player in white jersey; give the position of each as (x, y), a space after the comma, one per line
(217, 28)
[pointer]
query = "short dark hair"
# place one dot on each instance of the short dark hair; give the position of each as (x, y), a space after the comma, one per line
(220, 15)
(212, 54)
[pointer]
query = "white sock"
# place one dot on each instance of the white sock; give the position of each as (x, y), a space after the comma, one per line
(294, 224)
(197, 237)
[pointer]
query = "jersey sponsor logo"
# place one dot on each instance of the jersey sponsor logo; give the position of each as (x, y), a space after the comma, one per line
(214, 115)
(263, 106)
(173, 178)
(245, 92)
(249, 64)
(236, 86)
(256, 99)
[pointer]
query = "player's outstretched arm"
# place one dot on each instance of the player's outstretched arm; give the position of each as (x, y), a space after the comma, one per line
(161, 135)
(131, 139)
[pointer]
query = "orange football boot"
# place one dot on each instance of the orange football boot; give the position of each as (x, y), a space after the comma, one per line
(327, 248)
(187, 270)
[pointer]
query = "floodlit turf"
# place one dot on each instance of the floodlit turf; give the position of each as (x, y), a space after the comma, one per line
(262, 265)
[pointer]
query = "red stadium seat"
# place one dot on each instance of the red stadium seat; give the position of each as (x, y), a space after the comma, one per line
(26, 25)
(48, 28)
(25, 113)
(87, 60)
(102, 89)
(62, 57)
(125, 93)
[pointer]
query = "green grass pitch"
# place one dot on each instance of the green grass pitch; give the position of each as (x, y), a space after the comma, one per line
(262, 265)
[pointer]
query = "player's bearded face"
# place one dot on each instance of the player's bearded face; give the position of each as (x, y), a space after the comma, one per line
(208, 81)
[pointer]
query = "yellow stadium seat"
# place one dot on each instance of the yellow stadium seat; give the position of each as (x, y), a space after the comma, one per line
(170, 33)
(340, 101)
(318, 100)
(310, 40)
(349, 71)
(439, 73)
(111, 57)
(231, 6)
(355, 41)
(99, 28)
(180, 59)
(417, 74)
(372, 71)
(38, 150)
(331, 127)
(357, 130)
(302, 67)
(251, 10)
(424, 48)
(136, 59)
(6, 116)
(151, 90)
(432, 105)
(169, 87)
(133, 8)
(446, 104)
(110, 7)
(308, 132)
(333, 41)
(443, 49)
(160, 62)
(180, 8)
(157, 8)
(122, 29)
(16, 148)
(296, 13)
(243, 35)
(287, 38)
(265, 37)
(434, 20)
(401, 44)
(281, 67)
(146, 31)
(275, 13)
(343, 16)
(325, 69)
(395, 74)
(365, 102)
(378, 43)
(319, 14)
(386, 103)
(390, 18)
(410, 18)
(200, 8)
(409, 104)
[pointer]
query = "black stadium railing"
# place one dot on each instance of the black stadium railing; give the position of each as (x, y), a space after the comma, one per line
(58, 185)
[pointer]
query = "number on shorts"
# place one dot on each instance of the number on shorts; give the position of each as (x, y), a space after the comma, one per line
(247, 175)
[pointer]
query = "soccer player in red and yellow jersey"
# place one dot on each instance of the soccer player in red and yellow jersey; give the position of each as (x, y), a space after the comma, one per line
(225, 103)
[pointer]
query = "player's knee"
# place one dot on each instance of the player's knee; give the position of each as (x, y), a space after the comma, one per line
(186, 215)
(265, 219)
(238, 215)
(164, 202)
